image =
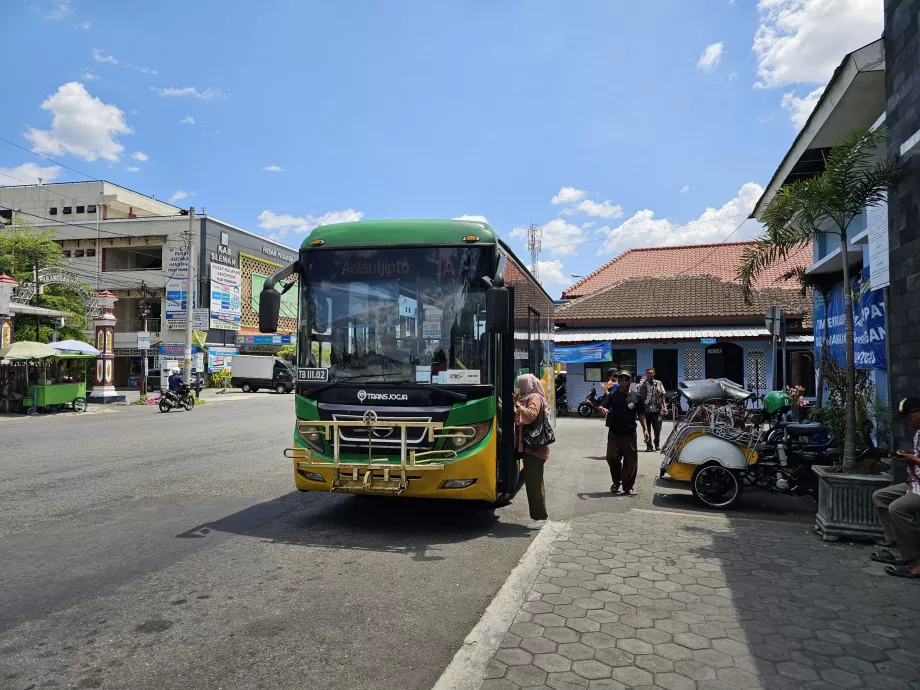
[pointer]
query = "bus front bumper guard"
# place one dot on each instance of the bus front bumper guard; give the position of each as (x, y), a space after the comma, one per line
(376, 475)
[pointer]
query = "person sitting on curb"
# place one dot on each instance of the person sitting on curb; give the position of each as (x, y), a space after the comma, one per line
(622, 409)
(898, 506)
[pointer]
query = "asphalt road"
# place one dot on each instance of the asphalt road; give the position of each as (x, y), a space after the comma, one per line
(143, 550)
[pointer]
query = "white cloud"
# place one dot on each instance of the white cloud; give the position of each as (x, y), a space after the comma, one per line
(685, 189)
(187, 120)
(568, 195)
(62, 9)
(86, 75)
(132, 169)
(272, 168)
(801, 108)
(281, 223)
(551, 273)
(81, 125)
(143, 70)
(206, 95)
(479, 219)
(178, 195)
(28, 173)
(83, 26)
(594, 209)
(711, 57)
(803, 41)
(100, 56)
(140, 156)
(713, 225)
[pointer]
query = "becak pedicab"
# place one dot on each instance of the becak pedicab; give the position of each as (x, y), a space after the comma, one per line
(722, 445)
(713, 445)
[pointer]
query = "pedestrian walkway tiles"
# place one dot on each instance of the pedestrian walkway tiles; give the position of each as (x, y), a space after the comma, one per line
(665, 600)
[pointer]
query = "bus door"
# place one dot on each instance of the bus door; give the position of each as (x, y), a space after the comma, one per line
(508, 466)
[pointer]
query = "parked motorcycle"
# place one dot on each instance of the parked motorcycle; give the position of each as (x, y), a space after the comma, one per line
(562, 403)
(184, 397)
(589, 406)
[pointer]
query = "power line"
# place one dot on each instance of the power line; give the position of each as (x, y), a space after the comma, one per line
(714, 248)
(72, 224)
(81, 202)
(50, 160)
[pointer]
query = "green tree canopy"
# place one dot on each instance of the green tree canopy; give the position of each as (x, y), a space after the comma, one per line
(23, 248)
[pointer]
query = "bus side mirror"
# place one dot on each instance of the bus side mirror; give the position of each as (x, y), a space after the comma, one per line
(269, 308)
(498, 303)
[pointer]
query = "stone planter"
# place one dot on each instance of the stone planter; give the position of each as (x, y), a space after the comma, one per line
(845, 508)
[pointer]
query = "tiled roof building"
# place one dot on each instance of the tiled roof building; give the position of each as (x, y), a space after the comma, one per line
(718, 260)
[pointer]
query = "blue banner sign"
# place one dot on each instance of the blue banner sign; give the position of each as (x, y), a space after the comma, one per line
(595, 352)
(868, 324)
(266, 340)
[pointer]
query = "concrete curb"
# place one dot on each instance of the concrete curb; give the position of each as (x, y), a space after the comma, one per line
(467, 668)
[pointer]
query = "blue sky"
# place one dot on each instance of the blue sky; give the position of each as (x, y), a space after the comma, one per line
(636, 118)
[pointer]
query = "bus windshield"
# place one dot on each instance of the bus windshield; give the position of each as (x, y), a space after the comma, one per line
(413, 315)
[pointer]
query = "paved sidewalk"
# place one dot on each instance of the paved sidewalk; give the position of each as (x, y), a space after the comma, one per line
(654, 599)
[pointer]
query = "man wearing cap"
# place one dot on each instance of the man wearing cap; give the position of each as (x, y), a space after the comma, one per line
(898, 506)
(623, 408)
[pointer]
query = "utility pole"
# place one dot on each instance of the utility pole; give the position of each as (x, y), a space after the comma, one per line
(535, 244)
(144, 313)
(38, 301)
(189, 302)
(98, 240)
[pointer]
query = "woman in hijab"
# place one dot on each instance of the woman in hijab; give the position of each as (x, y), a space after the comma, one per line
(529, 409)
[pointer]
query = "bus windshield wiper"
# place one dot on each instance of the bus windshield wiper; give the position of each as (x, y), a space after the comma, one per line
(339, 379)
(440, 389)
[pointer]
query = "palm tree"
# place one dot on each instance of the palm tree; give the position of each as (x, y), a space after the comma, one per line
(823, 286)
(855, 177)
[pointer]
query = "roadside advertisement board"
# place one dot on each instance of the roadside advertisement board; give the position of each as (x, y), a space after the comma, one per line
(220, 358)
(226, 300)
(176, 300)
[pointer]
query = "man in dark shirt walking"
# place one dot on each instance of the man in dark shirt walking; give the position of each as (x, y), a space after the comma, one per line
(622, 409)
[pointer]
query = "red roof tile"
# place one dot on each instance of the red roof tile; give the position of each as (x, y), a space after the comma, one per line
(718, 260)
(681, 299)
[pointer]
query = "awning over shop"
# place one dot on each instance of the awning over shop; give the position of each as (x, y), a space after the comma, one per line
(29, 310)
(586, 335)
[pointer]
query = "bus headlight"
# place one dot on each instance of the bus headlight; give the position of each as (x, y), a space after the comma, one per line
(464, 439)
(311, 435)
(458, 483)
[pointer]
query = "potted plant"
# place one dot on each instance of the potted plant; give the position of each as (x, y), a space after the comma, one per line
(845, 508)
(855, 177)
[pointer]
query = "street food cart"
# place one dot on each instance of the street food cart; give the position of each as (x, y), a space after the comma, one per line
(45, 392)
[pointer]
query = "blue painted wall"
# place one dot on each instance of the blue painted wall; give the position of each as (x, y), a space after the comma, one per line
(577, 388)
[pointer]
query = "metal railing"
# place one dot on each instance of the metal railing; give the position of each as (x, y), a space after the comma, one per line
(375, 475)
(135, 325)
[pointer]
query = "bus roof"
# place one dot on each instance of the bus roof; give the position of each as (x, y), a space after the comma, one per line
(388, 232)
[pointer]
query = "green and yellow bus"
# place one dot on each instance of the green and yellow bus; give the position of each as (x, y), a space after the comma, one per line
(410, 337)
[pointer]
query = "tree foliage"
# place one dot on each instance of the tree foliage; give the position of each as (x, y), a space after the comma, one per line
(856, 176)
(22, 249)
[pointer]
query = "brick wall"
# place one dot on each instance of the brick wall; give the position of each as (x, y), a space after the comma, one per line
(902, 51)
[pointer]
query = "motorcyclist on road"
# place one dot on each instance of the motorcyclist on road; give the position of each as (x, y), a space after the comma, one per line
(175, 380)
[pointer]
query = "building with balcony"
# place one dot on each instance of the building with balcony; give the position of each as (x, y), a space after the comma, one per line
(136, 247)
